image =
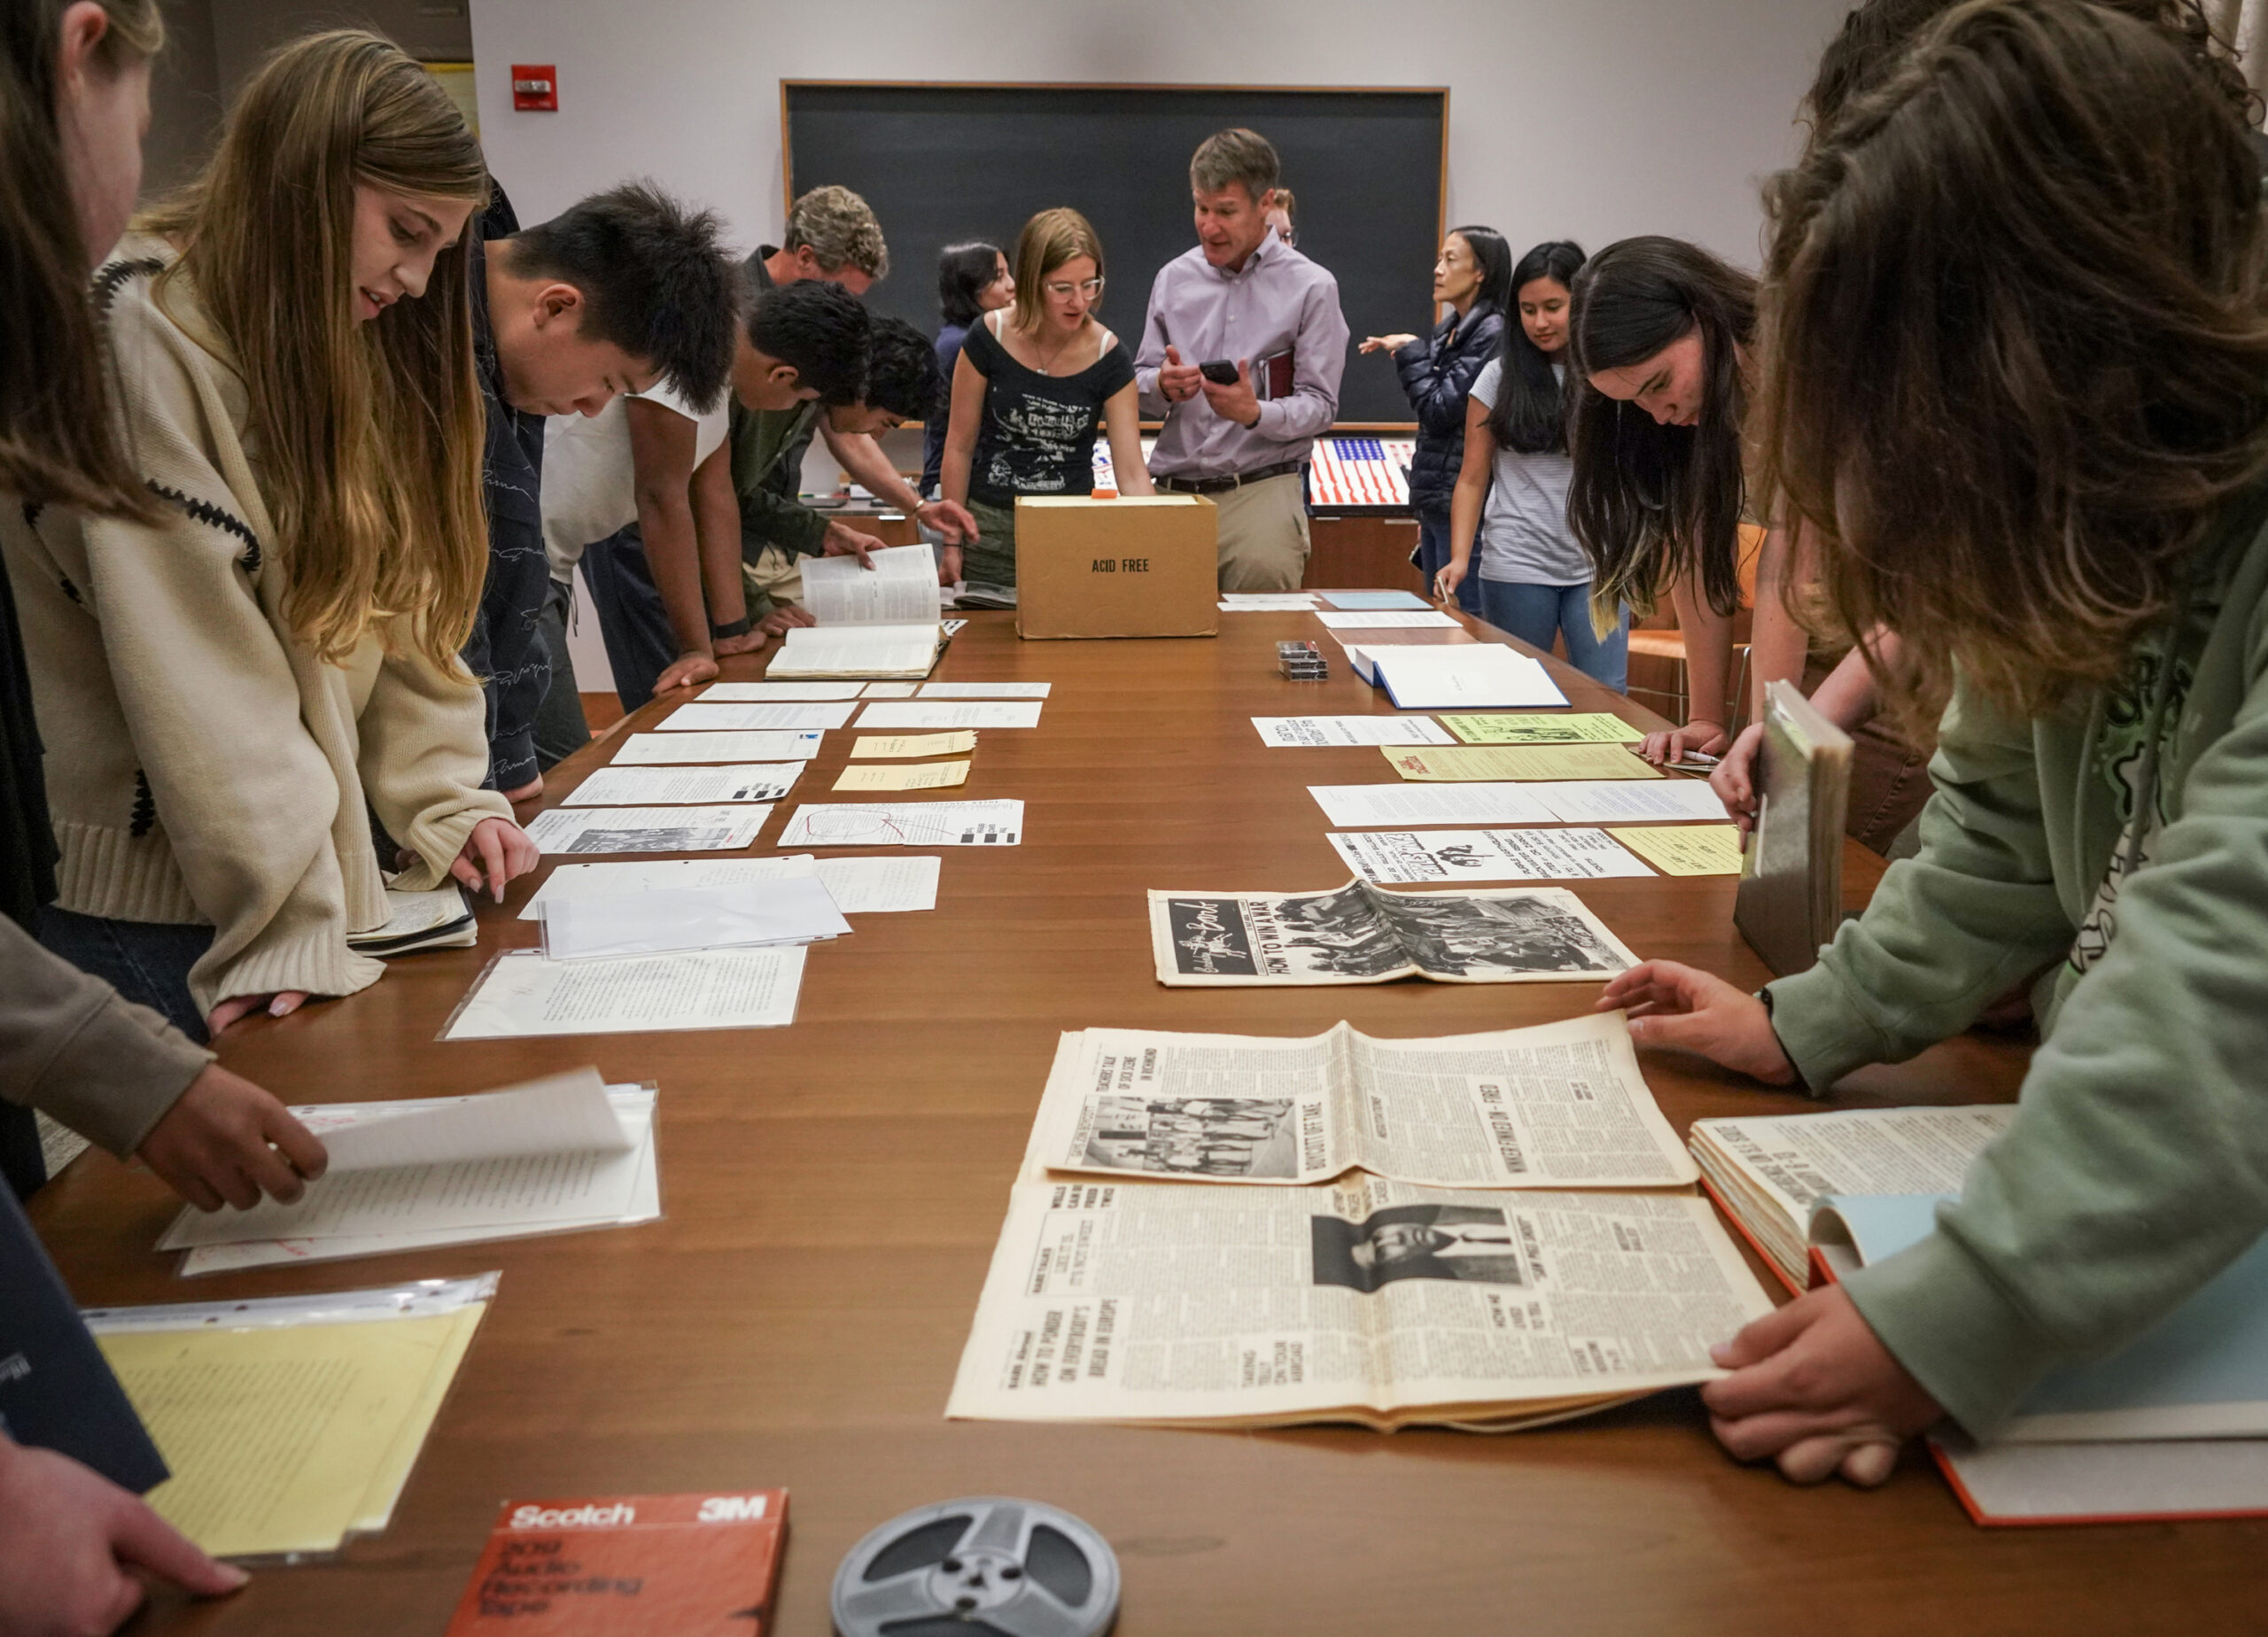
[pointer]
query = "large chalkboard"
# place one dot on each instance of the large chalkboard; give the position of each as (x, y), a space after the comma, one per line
(942, 163)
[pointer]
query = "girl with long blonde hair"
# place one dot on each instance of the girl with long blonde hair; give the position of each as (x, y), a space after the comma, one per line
(1032, 382)
(229, 685)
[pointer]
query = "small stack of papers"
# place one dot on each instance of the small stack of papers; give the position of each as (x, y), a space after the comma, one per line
(553, 1155)
(290, 1423)
(792, 910)
(1467, 676)
(439, 920)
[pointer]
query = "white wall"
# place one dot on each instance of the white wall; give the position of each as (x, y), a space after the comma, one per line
(1584, 119)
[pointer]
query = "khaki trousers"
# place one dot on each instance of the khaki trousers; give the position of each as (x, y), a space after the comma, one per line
(776, 576)
(1264, 542)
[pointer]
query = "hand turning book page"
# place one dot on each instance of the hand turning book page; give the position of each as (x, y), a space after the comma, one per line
(872, 622)
(1361, 933)
(1372, 1303)
(1554, 1106)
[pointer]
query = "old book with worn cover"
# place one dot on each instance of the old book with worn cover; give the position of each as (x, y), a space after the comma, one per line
(629, 1566)
(1792, 888)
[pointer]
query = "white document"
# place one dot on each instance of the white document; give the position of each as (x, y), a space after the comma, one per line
(1473, 675)
(633, 1105)
(1350, 729)
(883, 885)
(740, 719)
(985, 690)
(762, 693)
(928, 713)
(1374, 601)
(890, 690)
(1612, 801)
(638, 786)
(900, 589)
(646, 829)
(1267, 602)
(791, 910)
(468, 1163)
(1436, 855)
(1399, 806)
(647, 750)
(906, 824)
(522, 994)
(859, 885)
(1377, 619)
(857, 651)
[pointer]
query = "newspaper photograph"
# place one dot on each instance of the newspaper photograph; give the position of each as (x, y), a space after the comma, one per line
(1558, 1106)
(1359, 933)
(1374, 1302)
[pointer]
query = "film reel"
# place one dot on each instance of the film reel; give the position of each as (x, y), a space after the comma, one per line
(983, 1566)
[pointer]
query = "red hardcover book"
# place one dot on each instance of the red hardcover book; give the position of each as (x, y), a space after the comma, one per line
(627, 1566)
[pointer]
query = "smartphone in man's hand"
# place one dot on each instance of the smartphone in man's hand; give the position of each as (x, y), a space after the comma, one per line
(1220, 371)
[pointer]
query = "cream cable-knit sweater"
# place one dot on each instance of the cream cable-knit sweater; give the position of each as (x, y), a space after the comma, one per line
(202, 765)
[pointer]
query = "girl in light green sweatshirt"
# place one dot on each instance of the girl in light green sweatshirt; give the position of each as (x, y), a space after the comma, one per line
(2016, 334)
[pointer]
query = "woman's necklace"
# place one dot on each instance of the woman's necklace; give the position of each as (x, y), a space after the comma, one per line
(1047, 360)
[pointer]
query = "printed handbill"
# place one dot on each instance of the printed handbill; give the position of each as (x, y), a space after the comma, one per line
(1302, 732)
(775, 745)
(1522, 763)
(647, 829)
(906, 824)
(1542, 728)
(1558, 1105)
(1362, 933)
(1484, 855)
(638, 787)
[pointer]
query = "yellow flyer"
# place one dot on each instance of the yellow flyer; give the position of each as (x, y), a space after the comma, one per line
(1536, 728)
(1518, 762)
(1685, 849)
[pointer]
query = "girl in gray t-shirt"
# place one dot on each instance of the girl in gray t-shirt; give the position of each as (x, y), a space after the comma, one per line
(1511, 491)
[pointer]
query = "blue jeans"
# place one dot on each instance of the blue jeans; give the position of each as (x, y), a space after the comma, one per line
(1537, 613)
(1433, 557)
(147, 962)
(633, 622)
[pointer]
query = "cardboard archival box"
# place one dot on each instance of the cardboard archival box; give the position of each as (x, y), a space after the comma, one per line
(1138, 566)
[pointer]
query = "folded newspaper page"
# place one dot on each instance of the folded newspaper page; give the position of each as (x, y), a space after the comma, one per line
(1372, 1303)
(1358, 934)
(1559, 1105)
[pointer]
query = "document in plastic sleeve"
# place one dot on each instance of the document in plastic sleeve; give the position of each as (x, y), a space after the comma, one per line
(646, 829)
(1281, 732)
(925, 714)
(640, 787)
(758, 745)
(894, 882)
(1400, 806)
(522, 994)
(762, 717)
(906, 824)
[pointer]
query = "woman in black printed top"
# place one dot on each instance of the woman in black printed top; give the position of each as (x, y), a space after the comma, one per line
(1032, 384)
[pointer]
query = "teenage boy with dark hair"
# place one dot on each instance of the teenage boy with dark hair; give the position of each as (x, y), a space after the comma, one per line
(901, 383)
(642, 494)
(832, 235)
(626, 289)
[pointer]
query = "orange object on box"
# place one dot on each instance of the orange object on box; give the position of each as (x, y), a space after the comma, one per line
(629, 1566)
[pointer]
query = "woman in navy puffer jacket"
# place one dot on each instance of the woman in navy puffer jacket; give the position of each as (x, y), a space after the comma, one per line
(1473, 279)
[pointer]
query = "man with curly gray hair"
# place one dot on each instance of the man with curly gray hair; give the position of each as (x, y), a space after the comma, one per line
(832, 234)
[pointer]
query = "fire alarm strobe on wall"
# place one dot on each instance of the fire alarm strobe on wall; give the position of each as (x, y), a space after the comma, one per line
(535, 87)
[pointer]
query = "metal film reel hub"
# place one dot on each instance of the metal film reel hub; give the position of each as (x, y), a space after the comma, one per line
(983, 1566)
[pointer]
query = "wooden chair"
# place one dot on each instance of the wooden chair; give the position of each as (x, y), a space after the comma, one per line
(1659, 679)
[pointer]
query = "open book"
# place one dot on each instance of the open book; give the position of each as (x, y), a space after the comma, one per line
(1360, 934)
(2175, 1424)
(1790, 897)
(1369, 1300)
(1554, 1106)
(877, 622)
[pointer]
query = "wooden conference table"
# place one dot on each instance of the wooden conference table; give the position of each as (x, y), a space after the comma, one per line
(833, 1190)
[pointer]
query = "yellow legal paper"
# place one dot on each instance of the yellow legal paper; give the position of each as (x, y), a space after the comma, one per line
(1518, 762)
(902, 745)
(928, 776)
(288, 1438)
(1525, 728)
(1685, 849)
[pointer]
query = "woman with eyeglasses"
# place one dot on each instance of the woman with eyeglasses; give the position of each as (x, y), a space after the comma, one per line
(1032, 382)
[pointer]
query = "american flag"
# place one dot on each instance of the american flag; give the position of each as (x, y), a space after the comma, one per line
(1366, 472)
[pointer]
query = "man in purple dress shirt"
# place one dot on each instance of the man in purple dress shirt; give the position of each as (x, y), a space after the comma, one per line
(1245, 296)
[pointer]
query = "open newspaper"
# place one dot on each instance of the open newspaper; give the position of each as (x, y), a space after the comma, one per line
(1372, 1301)
(1359, 933)
(1554, 1106)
